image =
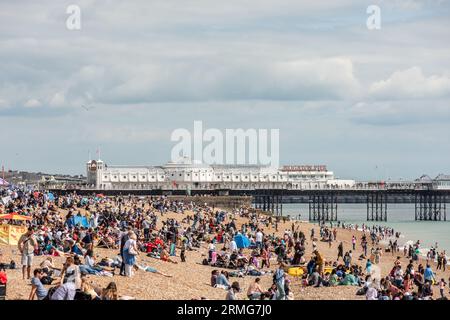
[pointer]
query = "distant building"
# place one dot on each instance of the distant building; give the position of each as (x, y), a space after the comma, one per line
(442, 181)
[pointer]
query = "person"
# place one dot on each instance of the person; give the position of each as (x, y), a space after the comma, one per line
(372, 292)
(211, 250)
(265, 257)
(87, 291)
(88, 240)
(255, 291)
(319, 261)
(279, 281)
(37, 288)
(164, 256)
(146, 226)
(27, 244)
(130, 251)
(233, 245)
(442, 285)
(110, 292)
(123, 239)
(259, 239)
(65, 291)
(234, 290)
(71, 273)
(222, 280)
(429, 275)
(47, 266)
(368, 266)
(340, 251)
(214, 276)
(89, 263)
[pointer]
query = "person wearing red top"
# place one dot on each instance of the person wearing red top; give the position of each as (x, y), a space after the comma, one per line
(3, 281)
(3, 277)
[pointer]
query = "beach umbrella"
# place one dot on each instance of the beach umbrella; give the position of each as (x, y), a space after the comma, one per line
(15, 216)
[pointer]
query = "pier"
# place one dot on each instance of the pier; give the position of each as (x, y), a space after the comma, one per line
(430, 203)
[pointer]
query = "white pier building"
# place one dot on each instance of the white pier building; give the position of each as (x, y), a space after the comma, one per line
(187, 175)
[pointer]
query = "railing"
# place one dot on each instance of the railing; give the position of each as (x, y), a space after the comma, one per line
(359, 186)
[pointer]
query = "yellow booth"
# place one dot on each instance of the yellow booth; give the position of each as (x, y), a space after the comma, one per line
(9, 233)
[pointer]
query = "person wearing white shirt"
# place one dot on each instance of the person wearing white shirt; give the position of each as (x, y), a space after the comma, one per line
(233, 245)
(259, 239)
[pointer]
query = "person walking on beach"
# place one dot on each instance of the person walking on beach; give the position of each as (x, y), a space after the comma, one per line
(124, 238)
(27, 244)
(429, 275)
(340, 251)
(364, 246)
(353, 243)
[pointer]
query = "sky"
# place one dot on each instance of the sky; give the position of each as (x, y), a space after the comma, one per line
(369, 104)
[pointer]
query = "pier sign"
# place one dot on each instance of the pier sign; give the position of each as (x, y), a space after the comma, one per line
(320, 168)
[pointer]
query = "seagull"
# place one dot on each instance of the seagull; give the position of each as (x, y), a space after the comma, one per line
(87, 108)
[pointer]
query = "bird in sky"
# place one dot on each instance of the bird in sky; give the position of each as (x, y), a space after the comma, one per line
(87, 108)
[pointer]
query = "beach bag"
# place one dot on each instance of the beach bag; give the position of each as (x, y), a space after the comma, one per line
(51, 291)
(132, 251)
(361, 291)
(47, 280)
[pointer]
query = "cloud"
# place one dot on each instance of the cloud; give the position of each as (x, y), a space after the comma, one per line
(411, 84)
(58, 100)
(3, 104)
(32, 103)
(117, 133)
(236, 79)
(297, 65)
(399, 112)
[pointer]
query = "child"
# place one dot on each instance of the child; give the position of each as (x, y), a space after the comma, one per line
(182, 255)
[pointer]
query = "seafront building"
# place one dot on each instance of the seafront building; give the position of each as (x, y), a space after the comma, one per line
(188, 175)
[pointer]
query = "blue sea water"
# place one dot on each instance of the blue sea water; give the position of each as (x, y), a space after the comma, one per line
(400, 217)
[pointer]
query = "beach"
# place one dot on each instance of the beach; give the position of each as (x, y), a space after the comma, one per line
(191, 279)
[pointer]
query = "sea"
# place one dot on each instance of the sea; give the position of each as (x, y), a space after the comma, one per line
(400, 217)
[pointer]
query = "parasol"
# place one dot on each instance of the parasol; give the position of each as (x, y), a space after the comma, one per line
(14, 216)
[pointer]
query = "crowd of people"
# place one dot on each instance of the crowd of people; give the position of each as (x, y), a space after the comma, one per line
(74, 226)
